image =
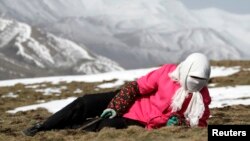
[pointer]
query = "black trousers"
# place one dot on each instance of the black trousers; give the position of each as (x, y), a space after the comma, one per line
(83, 110)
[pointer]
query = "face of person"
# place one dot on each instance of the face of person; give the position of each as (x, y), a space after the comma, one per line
(194, 83)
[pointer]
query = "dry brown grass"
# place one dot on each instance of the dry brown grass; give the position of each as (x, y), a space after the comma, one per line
(12, 124)
(240, 78)
(231, 63)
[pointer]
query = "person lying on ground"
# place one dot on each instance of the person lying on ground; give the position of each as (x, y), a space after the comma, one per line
(170, 95)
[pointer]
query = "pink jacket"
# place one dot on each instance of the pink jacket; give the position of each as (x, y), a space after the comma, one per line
(157, 89)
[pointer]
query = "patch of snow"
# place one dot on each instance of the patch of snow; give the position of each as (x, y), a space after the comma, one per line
(63, 87)
(212, 85)
(246, 69)
(11, 95)
(223, 96)
(49, 91)
(40, 101)
(52, 106)
(4, 24)
(77, 91)
(223, 71)
(128, 75)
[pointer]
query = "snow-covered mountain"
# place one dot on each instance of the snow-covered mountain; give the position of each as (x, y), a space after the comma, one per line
(139, 33)
(29, 52)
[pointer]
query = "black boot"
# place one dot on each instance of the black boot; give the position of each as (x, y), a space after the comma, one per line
(32, 130)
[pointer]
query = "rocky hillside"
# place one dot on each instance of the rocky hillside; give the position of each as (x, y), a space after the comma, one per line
(29, 52)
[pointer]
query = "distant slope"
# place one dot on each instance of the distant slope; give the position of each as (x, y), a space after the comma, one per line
(28, 52)
(140, 33)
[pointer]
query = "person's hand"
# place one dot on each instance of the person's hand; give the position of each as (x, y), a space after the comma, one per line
(108, 113)
(173, 121)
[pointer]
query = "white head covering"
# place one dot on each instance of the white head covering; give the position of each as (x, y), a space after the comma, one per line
(192, 74)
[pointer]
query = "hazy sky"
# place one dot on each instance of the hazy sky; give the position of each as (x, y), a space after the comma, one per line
(233, 6)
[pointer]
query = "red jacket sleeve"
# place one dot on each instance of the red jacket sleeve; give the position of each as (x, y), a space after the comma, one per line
(207, 101)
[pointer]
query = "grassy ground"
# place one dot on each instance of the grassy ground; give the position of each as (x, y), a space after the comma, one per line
(12, 124)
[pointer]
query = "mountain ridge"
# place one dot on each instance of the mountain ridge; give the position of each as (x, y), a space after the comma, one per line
(29, 52)
(106, 27)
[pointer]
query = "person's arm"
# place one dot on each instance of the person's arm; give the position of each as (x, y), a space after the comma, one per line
(125, 98)
(121, 103)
